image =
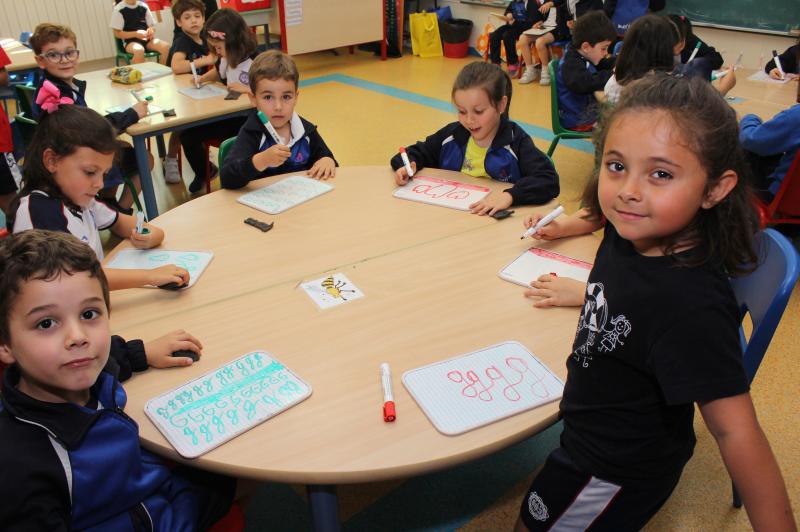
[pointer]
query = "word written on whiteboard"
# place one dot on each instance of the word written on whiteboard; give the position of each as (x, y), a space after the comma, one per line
(536, 262)
(473, 390)
(285, 194)
(195, 262)
(332, 290)
(441, 192)
(226, 402)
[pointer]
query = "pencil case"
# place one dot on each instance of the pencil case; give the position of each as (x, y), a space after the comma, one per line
(125, 74)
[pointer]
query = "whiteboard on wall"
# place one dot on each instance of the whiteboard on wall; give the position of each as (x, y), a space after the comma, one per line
(313, 25)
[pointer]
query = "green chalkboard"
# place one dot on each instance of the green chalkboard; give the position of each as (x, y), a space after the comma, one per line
(769, 16)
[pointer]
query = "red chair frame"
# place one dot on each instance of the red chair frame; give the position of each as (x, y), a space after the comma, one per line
(785, 206)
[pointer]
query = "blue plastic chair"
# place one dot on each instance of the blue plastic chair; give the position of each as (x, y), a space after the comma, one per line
(764, 294)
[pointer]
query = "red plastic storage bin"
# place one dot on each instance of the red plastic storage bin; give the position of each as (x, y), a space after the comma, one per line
(245, 5)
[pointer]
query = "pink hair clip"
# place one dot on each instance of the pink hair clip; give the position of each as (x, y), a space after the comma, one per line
(49, 97)
(220, 35)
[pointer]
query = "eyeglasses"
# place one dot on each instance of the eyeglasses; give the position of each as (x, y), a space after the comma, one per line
(57, 57)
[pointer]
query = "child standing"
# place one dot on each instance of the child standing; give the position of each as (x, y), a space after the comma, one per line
(72, 149)
(520, 16)
(57, 54)
(234, 45)
(670, 186)
(485, 143)
(133, 24)
(10, 176)
(70, 457)
(584, 69)
(188, 49)
(286, 142)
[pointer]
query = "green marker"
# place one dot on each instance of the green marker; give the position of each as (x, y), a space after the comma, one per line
(263, 118)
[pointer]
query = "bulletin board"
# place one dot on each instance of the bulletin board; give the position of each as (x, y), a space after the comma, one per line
(314, 25)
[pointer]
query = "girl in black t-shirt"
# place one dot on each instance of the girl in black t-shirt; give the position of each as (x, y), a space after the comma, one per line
(659, 326)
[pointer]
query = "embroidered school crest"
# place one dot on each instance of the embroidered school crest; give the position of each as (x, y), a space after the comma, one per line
(244, 78)
(594, 322)
(537, 507)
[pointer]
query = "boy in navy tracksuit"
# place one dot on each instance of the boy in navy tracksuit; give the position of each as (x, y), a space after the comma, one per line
(584, 69)
(771, 146)
(521, 15)
(274, 139)
(70, 457)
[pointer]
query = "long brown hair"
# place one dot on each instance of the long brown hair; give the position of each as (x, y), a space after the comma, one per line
(239, 40)
(723, 234)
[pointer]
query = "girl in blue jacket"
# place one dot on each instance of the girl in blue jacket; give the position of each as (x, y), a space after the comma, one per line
(485, 143)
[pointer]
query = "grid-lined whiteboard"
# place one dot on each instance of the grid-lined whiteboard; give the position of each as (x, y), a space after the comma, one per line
(473, 390)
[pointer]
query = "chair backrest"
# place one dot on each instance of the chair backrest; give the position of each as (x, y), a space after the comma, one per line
(25, 38)
(224, 148)
(764, 294)
(25, 98)
(27, 128)
(554, 116)
(786, 202)
(120, 47)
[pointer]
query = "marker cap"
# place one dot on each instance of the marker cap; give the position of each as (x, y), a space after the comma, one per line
(389, 413)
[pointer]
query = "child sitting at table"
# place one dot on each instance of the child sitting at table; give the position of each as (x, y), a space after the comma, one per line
(72, 149)
(57, 54)
(283, 141)
(189, 48)
(234, 45)
(790, 62)
(485, 143)
(133, 23)
(584, 69)
(520, 16)
(772, 146)
(10, 176)
(689, 41)
(70, 456)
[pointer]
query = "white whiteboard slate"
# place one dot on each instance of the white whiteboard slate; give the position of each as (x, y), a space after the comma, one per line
(473, 390)
(441, 192)
(536, 262)
(195, 262)
(225, 402)
(285, 194)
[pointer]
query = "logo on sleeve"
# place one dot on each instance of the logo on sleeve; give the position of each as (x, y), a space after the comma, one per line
(537, 507)
(595, 325)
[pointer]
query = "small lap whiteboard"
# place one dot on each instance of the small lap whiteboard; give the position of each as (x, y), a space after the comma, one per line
(441, 192)
(195, 262)
(285, 194)
(473, 390)
(208, 90)
(536, 262)
(151, 70)
(226, 402)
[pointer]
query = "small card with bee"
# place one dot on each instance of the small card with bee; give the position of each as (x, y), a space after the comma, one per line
(332, 290)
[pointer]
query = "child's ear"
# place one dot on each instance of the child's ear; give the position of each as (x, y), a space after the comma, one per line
(727, 181)
(49, 159)
(5, 355)
(501, 107)
(252, 99)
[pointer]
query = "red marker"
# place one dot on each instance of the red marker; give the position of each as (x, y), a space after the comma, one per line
(553, 274)
(388, 400)
(406, 162)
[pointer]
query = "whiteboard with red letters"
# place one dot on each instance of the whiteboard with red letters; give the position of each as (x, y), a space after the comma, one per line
(442, 192)
(473, 390)
(536, 262)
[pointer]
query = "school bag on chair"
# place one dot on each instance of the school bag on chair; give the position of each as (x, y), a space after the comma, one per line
(425, 40)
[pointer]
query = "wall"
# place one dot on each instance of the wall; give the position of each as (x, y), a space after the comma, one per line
(754, 45)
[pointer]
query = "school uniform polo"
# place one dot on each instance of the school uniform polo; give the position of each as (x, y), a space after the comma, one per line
(189, 48)
(132, 18)
(40, 211)
(577, 80)
(235, 74)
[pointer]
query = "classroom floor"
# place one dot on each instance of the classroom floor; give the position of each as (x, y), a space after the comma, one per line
(365, 109)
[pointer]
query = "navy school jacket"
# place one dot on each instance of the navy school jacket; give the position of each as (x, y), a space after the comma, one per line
(511, 158)
(238, 169)
(65, 466)
(577, 80)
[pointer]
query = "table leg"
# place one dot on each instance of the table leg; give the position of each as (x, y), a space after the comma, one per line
(324, 506)
(145, 177)
(162, 149)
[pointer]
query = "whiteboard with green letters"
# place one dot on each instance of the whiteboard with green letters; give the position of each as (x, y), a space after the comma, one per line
(222, 404)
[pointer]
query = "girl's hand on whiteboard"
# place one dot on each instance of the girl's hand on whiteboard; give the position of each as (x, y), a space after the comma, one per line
(401, 175)
(552, 291)
(491, 204)
(166, 274)
(324, 168)
(775, 73)
(159, 351)
(550, 231)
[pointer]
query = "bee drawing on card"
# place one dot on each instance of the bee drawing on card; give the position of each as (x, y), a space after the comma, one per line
(335, 288)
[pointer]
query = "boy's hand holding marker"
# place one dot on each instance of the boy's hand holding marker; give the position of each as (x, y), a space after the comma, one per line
(407, 171)
(149, 237)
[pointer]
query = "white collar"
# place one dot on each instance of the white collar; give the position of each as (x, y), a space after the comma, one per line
(295, 126)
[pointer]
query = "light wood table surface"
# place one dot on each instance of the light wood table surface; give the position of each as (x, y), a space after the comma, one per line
(22, 57)
(762, 98)
(102, 94)
(429, 275)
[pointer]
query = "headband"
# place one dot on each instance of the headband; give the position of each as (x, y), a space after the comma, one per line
(49, 97)
(219, 35)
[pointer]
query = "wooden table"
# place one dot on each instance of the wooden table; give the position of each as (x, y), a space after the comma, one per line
(429, 275)
(102, 94)
(761, 97)
(22, 57)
